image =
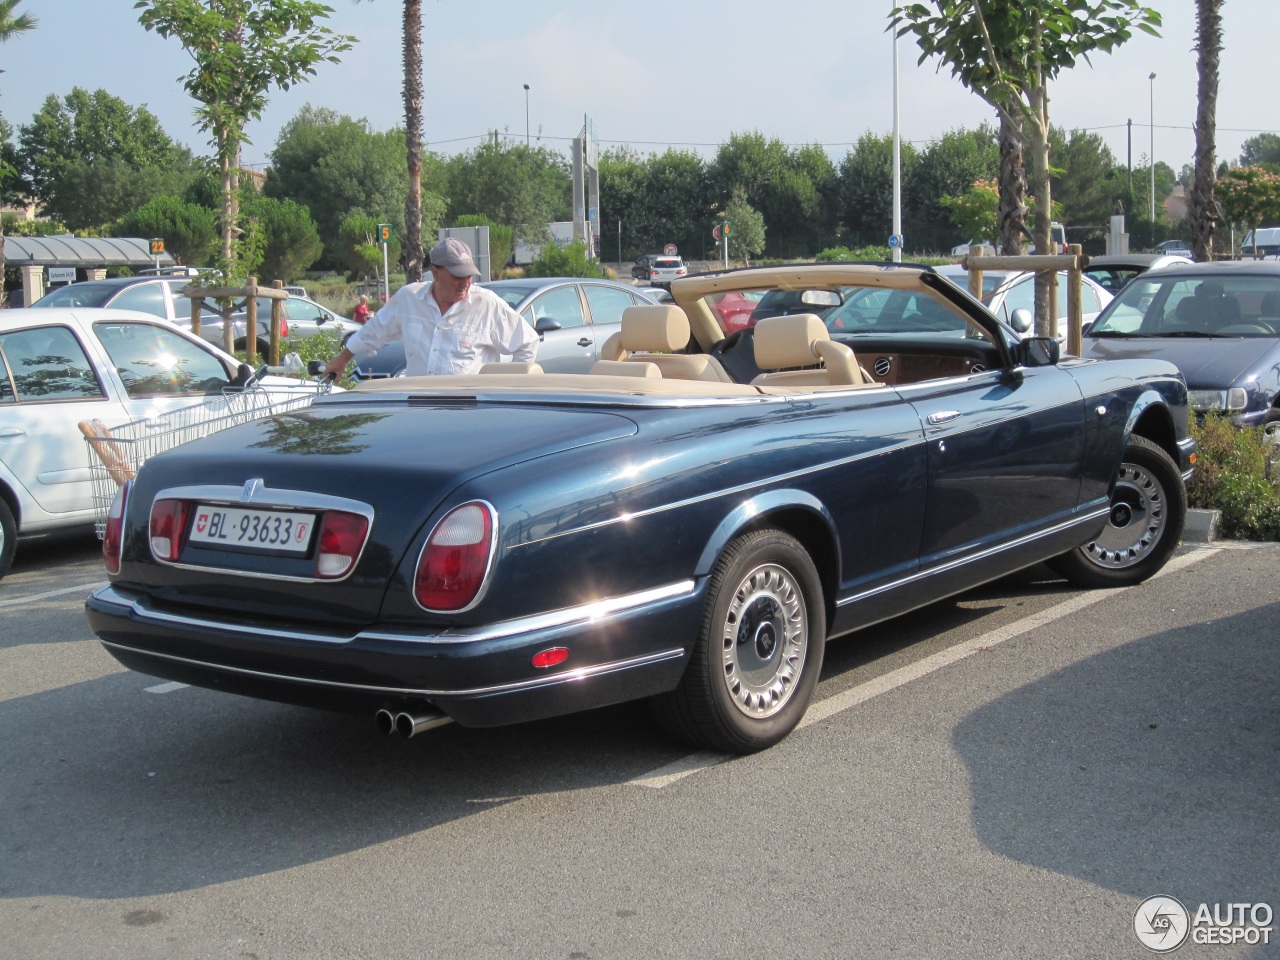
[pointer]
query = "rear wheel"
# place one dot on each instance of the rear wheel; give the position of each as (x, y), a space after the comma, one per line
(759, 652)
(1148, 510)
(8, 537)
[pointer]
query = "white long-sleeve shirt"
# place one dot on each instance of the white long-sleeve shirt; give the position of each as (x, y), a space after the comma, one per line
(478, 330)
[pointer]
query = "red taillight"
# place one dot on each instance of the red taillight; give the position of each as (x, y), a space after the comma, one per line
(341, 539)
(113, 534)
(550, 657)
(168, 518)
(455, 560)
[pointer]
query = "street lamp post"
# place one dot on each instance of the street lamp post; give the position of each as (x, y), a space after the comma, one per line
(526, 114)
(1152, 80)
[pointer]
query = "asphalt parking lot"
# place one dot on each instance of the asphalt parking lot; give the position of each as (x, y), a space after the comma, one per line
(1006, 774)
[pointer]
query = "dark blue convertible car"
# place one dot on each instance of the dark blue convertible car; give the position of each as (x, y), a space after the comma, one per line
(690, 522)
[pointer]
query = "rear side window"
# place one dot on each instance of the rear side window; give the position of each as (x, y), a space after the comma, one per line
(145, 297)
(607, 303)
(48, 363)
(561, 305)
(153, 361)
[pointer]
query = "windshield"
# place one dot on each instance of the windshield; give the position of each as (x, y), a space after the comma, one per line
(78, 295)
(1204, 305)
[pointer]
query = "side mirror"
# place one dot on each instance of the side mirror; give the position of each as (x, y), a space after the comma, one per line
(1021, 321)
(243, 377)
(546, 325)
(1038, 352)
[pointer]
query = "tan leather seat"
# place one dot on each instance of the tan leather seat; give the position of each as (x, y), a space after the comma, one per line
(802, 340)
(652, 333)
(511, 366)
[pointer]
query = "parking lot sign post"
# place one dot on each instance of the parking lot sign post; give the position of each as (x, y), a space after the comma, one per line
(156, 248)
(384, 238)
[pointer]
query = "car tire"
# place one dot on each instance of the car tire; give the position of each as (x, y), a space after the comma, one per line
(1271, 426)
(8, 537)
(759, 650)
(1148, 511)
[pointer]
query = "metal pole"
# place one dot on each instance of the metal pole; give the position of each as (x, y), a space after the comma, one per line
(897, 161)
(1152, 78)
(386, 276)
(619, 241)
(526, 115)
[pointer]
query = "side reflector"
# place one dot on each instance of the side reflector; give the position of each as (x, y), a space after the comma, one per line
(168, 519)
(551, 656)
(342, 537)
(113, 535)
(455, 560)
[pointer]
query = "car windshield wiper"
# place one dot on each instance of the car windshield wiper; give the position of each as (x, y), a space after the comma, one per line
(1115, 333)
(1188, 333)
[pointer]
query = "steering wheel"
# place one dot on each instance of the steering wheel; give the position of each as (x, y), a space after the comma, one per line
(737, 354)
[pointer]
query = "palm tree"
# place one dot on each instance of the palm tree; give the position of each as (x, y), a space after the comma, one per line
(10, 26)
(413, 255)
(1204, 206)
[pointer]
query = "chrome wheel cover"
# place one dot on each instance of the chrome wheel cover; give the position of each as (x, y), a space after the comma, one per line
(764, 640)
(1137, 521)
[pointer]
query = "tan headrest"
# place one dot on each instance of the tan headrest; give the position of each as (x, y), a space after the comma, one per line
(654, 328)
(625, 368)
(788, 341)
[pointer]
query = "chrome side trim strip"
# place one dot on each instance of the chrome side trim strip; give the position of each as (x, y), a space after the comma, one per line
(555, 679)
(974, 557)
(584, 613)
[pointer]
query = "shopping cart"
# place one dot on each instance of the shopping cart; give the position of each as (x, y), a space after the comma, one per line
(116, 453)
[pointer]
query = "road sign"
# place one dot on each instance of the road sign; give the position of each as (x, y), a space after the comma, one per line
(670, 250)
(384, 233)
(727, 225)
(895, 241)
(715, 231)
(156, 246)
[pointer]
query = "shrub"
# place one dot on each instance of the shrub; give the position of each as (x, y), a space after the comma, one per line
(568, 261)
(1232, 476)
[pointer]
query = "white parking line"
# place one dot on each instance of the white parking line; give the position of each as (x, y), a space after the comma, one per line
(167, 687)
(824, 709)
(31, 598)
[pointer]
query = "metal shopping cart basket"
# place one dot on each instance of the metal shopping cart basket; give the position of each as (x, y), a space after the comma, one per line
(116, 453)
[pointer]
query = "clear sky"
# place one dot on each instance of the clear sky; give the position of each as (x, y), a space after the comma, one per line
(652, 75)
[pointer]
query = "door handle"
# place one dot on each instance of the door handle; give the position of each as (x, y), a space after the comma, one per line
(943, 416)
(585, 342)
(13, 432)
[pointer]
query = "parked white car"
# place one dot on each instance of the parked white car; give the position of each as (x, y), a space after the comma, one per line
(61, 367)
(1011, 296)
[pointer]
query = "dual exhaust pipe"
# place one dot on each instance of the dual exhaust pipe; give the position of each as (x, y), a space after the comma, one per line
(407, 723)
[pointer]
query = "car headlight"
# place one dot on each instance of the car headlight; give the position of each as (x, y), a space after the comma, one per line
(1203, 401)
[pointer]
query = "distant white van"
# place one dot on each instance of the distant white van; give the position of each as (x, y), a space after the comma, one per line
(1268, 241)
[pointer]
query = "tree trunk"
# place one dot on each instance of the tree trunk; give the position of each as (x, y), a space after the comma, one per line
(413, 253)
(1037, 131)
(1013, 184)
(1204, 206)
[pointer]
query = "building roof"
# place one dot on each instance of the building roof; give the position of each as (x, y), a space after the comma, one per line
(70, 251)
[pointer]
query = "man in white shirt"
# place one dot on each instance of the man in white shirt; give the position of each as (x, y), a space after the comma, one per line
(448, 324)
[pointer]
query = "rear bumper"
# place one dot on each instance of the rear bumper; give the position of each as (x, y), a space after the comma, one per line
(622, 649)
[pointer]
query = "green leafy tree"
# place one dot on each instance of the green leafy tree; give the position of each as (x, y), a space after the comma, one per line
(335, 165)
(358, 250)
(520, 187)
(1262, 150)
(89, 158)
(11, 24)
(866, 187)
(1085, 184)
(746, 228)
(570, 260)
(291, 242)
(1008, 54)
(242, 49)
(948, 167)
(658, 199)
(975, 212)
(1250, 196)
(501, 240)
(190, 231)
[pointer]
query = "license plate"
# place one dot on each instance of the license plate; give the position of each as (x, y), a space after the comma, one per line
(265, 530)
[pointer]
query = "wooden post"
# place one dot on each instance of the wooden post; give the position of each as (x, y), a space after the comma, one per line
(251, 322)
(195, 316)
(975, 272)
(1075, 311)
(277, 315)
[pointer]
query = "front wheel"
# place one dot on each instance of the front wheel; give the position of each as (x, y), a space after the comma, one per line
(759, 652)
(1148, 510)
